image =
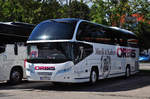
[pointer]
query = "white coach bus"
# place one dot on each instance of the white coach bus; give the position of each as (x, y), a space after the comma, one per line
(74, 50)
(13, 36)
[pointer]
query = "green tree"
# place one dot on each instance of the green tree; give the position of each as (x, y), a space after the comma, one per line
(110, 11)
(2, 17)
(12, 10)
(98, 12)
(76, 9)
(142, 8)
(18, 10)
(143, 35)
(48, 9)
(115, 13)
(30, 11)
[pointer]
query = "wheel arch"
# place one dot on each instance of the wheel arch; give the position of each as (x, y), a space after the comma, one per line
(128, 66)
(16, 67)
(128, 73)
(95, 67)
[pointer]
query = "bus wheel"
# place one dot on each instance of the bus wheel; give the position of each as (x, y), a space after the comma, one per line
(128, 72)
(93, 76)
(16, 76)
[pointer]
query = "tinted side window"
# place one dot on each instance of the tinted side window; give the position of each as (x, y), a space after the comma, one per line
(110, 36)
(132, 41)
(121, 38)
(83, 32)
(124, 39)
(92, 33)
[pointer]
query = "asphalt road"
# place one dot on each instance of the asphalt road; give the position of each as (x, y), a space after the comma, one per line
(135, 87)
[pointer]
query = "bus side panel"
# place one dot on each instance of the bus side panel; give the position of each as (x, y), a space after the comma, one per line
(2, 68)
(135, 62)
(112, 60)
(105, 58)
(10, 60)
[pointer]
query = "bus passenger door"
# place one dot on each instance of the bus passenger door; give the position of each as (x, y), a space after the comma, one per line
(81, 51)
(79, 62)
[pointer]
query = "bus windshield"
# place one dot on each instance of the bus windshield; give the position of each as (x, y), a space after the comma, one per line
(50, 52)
(53, 30)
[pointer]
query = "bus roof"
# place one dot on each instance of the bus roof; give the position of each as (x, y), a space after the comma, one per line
(122, 30)
(15, 31)
(67, 19)
(47, 30)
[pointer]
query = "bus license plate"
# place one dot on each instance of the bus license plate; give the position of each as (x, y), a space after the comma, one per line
(45, 78)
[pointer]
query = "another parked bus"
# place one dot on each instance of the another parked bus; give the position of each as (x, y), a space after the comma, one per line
(13, 36)
(74, 50)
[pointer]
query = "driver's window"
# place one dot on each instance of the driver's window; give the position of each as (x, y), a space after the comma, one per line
(81, 51)
(78, 53)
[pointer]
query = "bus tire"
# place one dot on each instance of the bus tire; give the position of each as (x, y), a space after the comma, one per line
(128, 72)
(93, 76)
(16, 76)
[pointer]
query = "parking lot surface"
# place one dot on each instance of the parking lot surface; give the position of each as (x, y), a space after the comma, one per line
(135, 87)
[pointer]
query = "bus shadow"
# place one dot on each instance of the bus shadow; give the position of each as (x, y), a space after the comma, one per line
(107, 85)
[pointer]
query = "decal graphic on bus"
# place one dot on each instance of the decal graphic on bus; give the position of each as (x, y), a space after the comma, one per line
(44, 68)
(126, 52)
(105, 65)
(103, 51)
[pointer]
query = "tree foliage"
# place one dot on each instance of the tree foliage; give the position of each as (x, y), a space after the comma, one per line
(76, 9)
(108, 12)
(35, 11)
(120, 13)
